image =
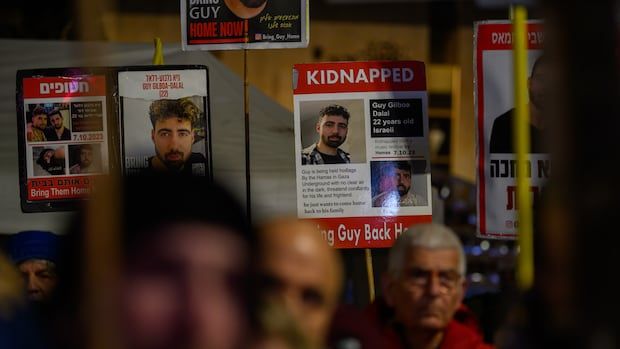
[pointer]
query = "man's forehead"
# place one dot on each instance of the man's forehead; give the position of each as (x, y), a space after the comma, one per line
(334, 118)
(432, 258)
(175, 121)
(35, 264)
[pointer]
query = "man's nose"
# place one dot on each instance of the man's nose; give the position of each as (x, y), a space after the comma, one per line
(31, 283)
(434, 285)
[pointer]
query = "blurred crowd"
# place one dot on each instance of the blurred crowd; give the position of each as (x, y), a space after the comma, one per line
(167, 262)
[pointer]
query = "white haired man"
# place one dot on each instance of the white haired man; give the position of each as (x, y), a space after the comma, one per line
(423, 289)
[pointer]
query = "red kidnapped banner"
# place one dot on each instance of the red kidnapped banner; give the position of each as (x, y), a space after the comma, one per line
(359, 77)
(52, 87)
(366, 232)
(499, 36)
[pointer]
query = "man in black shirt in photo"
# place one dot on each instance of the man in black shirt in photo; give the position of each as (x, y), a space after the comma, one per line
(501, 134)
(57, 130)
(332, 127)
(173, 135)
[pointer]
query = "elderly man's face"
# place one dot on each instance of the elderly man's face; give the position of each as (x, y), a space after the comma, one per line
(40, 278)
(184, 290)
(429, 290)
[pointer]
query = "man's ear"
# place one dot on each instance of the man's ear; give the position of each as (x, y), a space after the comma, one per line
(153, 135)
(318, 127)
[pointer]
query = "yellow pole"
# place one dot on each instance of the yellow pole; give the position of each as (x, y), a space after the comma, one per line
(158, 56)
(371, 275)
(521, 136)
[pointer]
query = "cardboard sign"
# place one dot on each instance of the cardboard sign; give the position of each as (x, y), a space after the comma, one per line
(361, 139)
(494, 86)
(62, 125)
(244, 24)
(152, 140)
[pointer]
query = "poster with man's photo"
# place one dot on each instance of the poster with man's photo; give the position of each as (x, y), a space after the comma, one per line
(164, 113)
(495, 113)
(361, 139)
(244, 24)
(63, 138)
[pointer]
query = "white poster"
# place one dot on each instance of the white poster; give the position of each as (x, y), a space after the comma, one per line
(164, 117)
(494, 85)
(363, 170)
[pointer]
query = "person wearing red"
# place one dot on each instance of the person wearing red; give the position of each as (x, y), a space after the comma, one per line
(423, 290)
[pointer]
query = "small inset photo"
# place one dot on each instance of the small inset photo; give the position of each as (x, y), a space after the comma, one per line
(85, 159)
(48, 161)
(332, 132)
(398, 183)
(48, 122)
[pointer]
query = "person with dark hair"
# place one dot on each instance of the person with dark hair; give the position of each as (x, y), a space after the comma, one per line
(35, 129)
(246, 8)
(86, 163)
(400, 192)
(50, 162)
(501, 133)
(182, 262)
(332, 128)
(57, 130)
(173, 135)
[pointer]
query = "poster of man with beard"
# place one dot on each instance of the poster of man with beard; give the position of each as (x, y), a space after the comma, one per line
(59, 110)
(244, 24)
(495, 113)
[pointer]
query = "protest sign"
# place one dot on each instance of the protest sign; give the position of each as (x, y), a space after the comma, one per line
(363, 171)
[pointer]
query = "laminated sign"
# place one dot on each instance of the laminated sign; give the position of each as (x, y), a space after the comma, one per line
(76, 125)
(244, 24)
(496, 158)
(63, 136)
(164, 120)
(362, 163)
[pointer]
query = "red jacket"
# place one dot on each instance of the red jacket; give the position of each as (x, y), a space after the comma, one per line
(456, 335)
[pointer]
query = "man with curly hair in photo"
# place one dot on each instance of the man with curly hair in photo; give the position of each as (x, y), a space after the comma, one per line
(173, 136)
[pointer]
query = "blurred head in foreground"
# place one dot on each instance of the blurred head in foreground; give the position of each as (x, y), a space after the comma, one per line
(298, 269)
(180, 255)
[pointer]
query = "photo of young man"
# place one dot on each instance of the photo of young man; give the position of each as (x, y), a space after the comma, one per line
(173, 135)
